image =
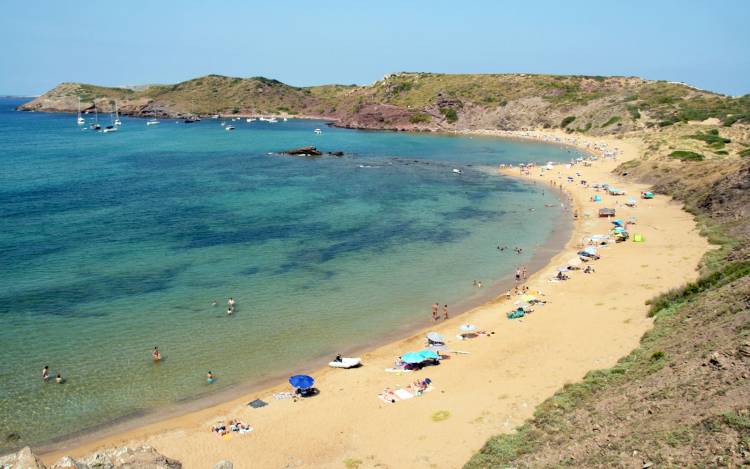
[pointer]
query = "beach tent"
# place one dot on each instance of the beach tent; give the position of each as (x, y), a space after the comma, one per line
(631, 202)
(619, 229)
(429, 354)
(597, 198)
(413, 358)
(467, 328)
(302, 381)
(638, 238)
(599, 238)
(523, 305)
(436, 338)
(606, 212)
(588, 251)
(617, 222)
(519, 313)
(647, 195)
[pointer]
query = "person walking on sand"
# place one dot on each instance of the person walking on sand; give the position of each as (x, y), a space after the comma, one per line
(445, 312)
(45, 373)
(435, 308)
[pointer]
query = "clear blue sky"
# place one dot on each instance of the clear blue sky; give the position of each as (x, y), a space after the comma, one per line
(44, 42)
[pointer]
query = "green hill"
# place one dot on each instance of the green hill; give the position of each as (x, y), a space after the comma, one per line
(424, 101)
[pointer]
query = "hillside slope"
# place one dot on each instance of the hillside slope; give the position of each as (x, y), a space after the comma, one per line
(424, 101)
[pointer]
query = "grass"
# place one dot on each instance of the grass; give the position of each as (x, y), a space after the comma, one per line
(351, 463)
(450, 114)
(420, 118)
(745, 153)
(738, 422)
(685, 155)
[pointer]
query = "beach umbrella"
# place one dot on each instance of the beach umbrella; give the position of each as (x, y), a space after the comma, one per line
(575, 262)
(590, 250)
(562, 269)
(413, 357)
(435, 337)
(301, 381)
(468, 328)
(429, 354)
(617, 222)
(523, 305)
(619, 229)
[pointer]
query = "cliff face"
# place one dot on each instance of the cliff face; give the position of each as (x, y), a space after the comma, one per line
(423, 101)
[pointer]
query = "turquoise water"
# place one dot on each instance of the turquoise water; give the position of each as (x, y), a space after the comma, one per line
(114, 243)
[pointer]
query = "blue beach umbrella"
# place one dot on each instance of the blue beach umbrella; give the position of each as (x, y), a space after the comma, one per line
(617, 222)
(468, 328)
(429, 354)
(301, 381)
(413, 357)
(619, 229)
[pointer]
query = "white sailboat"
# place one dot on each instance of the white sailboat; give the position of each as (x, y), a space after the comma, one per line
(81, 120)
(117, 116)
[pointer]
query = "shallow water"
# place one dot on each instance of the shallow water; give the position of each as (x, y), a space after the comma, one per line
(114, 243)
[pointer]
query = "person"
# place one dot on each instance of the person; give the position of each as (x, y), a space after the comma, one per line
(45, 373)
(588, 270)
(523, 272)
(338, 358)
(214, 303)
(479, 284)
(518, 275)
(445, 311)
(475, 283)
(231, 303)
(156, 354)
(435, 307)
(59, 379)
(230, 311)
(210, 377)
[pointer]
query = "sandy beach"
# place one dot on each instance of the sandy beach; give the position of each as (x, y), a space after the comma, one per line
(588, 322)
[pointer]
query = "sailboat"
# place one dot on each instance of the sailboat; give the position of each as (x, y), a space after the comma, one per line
(95, 125)
(113, 126)
(81, 120)
(117, 116)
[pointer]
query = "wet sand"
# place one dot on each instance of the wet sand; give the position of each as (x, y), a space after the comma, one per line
(589, 322)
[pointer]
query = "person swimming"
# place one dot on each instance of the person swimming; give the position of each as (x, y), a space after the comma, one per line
(210, 377)
(59, 379)
(230, 311)
(156, 355)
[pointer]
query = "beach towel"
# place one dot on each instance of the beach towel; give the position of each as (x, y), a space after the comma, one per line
(391, 399)
(245, 430)
(403, 394)
(257, 404)
(397, 370)
(282, 395)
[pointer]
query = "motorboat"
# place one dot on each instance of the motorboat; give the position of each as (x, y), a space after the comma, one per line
(153, 122)
(229, 127)
(81, 120)
(117, 116)
(318, 131)
(346, 362)
(249, 119)
(457, 171)
(109, 128)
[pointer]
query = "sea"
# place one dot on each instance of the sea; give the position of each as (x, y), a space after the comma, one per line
(114, 243)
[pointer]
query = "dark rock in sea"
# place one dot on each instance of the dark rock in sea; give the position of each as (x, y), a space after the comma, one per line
(336, 153)
(304, 151)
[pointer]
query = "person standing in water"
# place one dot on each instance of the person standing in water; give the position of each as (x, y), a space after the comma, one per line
(435, 308)
(445, 312)
(59, 379)
(156, 354)
(45, 373)
(210, 377)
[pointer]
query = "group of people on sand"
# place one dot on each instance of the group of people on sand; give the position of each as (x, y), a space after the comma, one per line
(233, 425)
(436, 311)
(45, 376)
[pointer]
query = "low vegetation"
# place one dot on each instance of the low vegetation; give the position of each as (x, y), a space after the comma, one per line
(686, 155)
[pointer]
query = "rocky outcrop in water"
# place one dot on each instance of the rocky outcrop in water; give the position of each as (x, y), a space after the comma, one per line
(143, 457)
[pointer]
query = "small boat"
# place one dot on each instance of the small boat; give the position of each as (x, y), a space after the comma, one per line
(223, 124)
(191, 120)
(457, 171)
(153, 122)
(318, 131)
(215, 116)
(272, 120)
(81, 120)
(229, 127)
(345, 363)
(109, 128)
(95, 125)
(250, 119)
(285, 119)
(117, 116)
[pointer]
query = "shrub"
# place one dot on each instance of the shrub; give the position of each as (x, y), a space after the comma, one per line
(712, 139)
(611, 121)
(450, 114)
(565, 122)
(745, 153)
(687, 155)
(633, 110)
(420, 118)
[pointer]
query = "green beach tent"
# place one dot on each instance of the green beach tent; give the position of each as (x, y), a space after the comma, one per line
(638, 238)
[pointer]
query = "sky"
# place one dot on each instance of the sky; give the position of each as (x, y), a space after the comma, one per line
(45, 42)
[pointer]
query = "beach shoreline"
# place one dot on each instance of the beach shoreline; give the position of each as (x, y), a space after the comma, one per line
(161, 434)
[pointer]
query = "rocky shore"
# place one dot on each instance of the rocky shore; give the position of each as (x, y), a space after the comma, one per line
(142, 457)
